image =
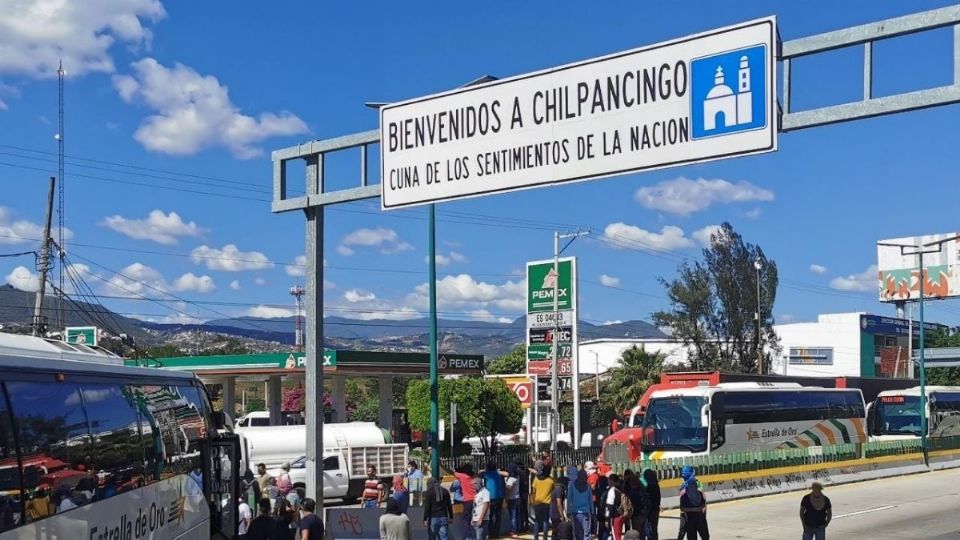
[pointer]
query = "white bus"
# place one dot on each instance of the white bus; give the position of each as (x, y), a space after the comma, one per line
(896, 413)
(95, 451)
(744, 417)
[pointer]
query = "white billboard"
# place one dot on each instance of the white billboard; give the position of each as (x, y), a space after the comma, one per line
(699, 98)
(898, 270)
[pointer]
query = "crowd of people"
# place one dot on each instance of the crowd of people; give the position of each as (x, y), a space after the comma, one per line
(577, 503)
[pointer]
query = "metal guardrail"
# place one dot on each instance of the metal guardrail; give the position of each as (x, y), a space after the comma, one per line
(615, 456)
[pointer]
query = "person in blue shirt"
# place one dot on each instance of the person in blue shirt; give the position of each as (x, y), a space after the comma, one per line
(495, 485)
(580, 505)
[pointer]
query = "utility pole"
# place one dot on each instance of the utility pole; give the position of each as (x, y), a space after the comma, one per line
(39, 321)
(297, 292)
(61, 243)
(554, 368)
(758, 264)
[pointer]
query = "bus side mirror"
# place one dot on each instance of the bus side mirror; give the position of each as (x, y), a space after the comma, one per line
(218, 419)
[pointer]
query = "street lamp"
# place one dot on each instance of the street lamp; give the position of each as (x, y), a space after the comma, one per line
(758, 264)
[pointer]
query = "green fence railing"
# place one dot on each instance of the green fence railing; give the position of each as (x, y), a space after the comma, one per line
(617, 457)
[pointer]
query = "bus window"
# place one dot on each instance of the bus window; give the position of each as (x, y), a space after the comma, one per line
(54, 436)
(116, 445)
(945, 414)
(194, 420)
(10, 494)
(676, 424)
(898, 415)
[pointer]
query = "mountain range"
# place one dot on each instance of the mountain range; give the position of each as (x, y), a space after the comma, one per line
(477, 337)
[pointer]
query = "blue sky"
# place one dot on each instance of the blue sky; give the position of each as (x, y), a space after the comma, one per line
(174, 107)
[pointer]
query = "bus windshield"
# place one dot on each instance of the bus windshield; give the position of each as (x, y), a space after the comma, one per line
(898, 415)
(675, 423)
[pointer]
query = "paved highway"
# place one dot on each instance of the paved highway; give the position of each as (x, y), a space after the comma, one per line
(920, 506)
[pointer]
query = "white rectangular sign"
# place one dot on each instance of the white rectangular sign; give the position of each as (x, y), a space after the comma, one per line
(699, 98)
(899, 274)
(545, 320)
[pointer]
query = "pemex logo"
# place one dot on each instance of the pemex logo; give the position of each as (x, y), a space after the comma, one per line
(550, 280)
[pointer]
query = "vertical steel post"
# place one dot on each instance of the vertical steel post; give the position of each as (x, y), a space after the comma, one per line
(554, 380)
(923, 370)
(434, 376)
(314, 336)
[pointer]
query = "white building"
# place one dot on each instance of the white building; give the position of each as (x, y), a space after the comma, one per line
(848, 344)
(835, 345)
(599, 355)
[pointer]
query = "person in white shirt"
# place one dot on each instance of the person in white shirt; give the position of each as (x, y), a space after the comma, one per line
(245, 516)
(481, 506)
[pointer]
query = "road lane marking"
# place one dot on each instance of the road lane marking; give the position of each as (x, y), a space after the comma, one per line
(864, 511)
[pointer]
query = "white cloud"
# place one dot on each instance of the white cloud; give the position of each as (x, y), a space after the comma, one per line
(190, 282)
(157, 227)
(193, 112)
(299, 266)
(235, 285)
(259, 281)
(22, 278)
(608, 323)
(269, 312)
(445, 260)
(230, 259)
(621, 235)
(702, 236)
(386, 240)
(818, 269)
(486, 316)
(36, 35)
(462, 291)
(609, 281)
(136, 280)
(753, 214)
(358, 295)
(865, 281)
(684, 196)
(21, 231)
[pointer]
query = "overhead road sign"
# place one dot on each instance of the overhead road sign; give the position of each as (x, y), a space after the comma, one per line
(699, 98)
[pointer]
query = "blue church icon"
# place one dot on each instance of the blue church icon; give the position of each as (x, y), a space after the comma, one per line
(728, 92)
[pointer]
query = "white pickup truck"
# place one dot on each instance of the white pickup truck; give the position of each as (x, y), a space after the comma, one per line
(345, 469)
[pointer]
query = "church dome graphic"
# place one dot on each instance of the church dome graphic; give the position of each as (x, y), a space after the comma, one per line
(724, 99)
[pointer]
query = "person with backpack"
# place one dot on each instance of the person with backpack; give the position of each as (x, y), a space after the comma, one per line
(616, 508)
(652, 486)
(639, 500)
(284, 483)
(693, 507)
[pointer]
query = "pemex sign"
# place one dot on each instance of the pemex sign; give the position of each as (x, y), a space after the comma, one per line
(541, 281)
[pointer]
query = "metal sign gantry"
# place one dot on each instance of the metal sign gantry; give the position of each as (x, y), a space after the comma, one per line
(317, 198)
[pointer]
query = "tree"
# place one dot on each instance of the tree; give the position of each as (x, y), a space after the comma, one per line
(164, 351)
(947, 376)
(713, 305)
(513, 362)
(637, 370)
(255, 404)
(485, 407)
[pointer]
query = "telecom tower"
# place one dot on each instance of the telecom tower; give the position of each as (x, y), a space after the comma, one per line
(298, 292)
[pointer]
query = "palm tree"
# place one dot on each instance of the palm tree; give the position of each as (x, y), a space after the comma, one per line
(638, 370)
